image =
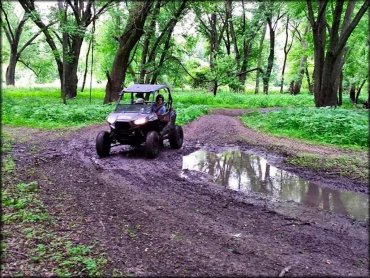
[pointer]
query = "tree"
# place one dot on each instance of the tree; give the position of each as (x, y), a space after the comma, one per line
(74, 18)
(242, 35)
(213, 27)
(13, 35)
(272, 28)
(355, 70)
(260, 48)
(286, 51)
(329, 54)
(151, 66)
(127, 41)
(303, 54)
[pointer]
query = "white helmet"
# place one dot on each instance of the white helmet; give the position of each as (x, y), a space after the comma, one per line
(140, 101)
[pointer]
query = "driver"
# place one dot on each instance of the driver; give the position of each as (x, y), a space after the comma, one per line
(158, 106)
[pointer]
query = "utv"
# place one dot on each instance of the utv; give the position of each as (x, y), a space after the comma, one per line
(134, 122)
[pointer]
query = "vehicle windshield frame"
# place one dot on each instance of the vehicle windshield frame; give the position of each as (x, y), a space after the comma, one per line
(149, 98)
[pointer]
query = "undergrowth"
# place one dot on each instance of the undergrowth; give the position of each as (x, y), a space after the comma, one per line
(43, 108)
(346, 166)
(341, 127)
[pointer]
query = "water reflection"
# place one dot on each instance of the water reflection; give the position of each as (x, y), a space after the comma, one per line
(244, 172)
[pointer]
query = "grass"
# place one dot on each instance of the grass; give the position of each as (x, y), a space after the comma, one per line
(340, 127)
(345, 166)
(43, 108)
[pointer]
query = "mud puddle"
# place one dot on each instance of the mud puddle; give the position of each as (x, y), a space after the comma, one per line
(246, 173)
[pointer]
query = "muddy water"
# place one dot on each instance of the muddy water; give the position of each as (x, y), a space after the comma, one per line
(244, 172)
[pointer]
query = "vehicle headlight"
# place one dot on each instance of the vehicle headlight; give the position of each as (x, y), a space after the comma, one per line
(140, 121)
(112, 119)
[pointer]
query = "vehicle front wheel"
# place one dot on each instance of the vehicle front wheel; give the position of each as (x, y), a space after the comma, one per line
(152, 144)
(103, 144)
(176, 137)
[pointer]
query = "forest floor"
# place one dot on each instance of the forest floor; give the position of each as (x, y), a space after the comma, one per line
(150, 220)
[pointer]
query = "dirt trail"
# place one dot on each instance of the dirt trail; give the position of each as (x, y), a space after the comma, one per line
(152, 221)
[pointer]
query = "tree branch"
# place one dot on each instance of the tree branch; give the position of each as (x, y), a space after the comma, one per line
(58, 37)
(8, 24)
(322, 10)
(101, 10)
(346, 33)
(311, 17)
(28, 66)
(254, 69)
(33, 38)
(75, 12)
(296, 31)
(204, 25)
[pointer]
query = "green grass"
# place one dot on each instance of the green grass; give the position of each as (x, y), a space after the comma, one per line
(343, 165)
(43, 108)
(341, 127)
(241, 100)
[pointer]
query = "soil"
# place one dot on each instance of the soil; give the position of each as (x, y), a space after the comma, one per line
(150, 220)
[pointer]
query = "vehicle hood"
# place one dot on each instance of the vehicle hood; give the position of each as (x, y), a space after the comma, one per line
(128, 117)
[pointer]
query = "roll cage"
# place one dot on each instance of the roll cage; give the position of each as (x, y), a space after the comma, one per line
(148, 92)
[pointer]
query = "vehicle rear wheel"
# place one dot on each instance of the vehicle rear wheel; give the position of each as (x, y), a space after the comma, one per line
(152, 144)
(176, 137)
(103, 144)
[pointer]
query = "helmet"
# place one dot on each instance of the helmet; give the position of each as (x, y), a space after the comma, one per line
(158, 97)
(140, 101)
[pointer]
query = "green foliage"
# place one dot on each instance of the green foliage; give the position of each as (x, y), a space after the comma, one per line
(106, 41)
(8, 164)
(189, 113)
(340, 127)
(42, 108)
(239, 100)
(347, 166)
(6, 143)
(21, 204)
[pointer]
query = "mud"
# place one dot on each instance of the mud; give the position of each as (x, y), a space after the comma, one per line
(150, 219)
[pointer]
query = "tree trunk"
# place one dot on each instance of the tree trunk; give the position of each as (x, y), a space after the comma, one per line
(214, 48)
(86, 66)
(266, 77)
(319, 40)
(340, 92)
(260, 48)
(310, 86)
(298, 82)
(131, 35)
(359, 91)
(352, 93)
(327, 91)
(10, 71)
(327, 67)
(286, 51)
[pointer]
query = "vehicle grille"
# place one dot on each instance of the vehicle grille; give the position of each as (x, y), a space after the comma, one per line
(123, 127)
